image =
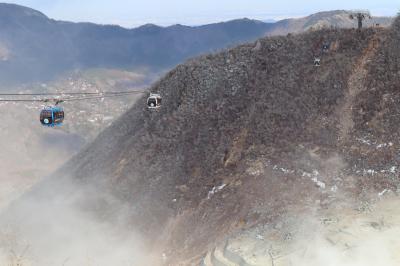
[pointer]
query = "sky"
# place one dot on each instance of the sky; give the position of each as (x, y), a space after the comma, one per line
(132, 13)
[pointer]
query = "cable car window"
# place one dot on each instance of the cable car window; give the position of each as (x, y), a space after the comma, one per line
(152, 102)
(58, 116)
(45, 113)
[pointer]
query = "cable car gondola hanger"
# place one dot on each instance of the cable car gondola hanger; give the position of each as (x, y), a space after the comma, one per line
(53, 115)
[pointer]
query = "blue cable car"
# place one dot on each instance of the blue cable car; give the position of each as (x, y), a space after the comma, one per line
(52, 116)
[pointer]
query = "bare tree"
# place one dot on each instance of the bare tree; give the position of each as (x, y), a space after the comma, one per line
(360, 16)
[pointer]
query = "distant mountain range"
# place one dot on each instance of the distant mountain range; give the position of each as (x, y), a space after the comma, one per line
(34, 47)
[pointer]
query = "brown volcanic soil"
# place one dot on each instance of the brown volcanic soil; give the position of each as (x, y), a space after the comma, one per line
(245, 136)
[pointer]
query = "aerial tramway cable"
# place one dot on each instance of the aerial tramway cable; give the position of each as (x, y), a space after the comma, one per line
(63, 94)
(66, 96)
(54, 115)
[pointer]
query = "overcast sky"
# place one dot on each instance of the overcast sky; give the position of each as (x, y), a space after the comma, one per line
(131, 13)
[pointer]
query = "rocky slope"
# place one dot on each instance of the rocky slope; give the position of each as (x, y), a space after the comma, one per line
(345, 236)
(244, 138)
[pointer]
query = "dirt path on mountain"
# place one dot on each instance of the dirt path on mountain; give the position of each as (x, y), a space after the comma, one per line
(355, 86)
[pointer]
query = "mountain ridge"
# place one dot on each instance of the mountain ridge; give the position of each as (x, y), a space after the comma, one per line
(56, 47)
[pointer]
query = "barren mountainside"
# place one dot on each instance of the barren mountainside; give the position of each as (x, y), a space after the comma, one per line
(244, 137)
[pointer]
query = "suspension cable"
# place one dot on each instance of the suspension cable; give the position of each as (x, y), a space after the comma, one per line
(86, 96)
(74, 93)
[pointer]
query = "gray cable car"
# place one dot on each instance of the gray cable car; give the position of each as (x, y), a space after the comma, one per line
(154, 101)
(317, 62)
